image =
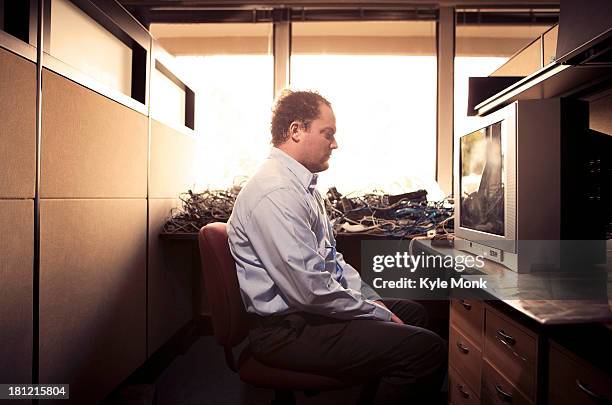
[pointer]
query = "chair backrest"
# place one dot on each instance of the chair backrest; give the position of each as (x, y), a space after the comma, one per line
(229, 317)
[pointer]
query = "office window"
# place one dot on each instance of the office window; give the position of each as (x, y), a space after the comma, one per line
(381, 80)
(78, 40)
(15, 19)
(231, 68)
(481, 48)
(167, 98)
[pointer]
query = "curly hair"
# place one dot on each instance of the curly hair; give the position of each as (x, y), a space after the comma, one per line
(293, 106)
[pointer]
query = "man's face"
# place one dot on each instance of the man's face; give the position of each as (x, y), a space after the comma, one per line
(318, 141)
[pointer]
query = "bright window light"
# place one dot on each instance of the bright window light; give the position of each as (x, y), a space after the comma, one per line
(234, 94)
(385, 108)
(167, 100)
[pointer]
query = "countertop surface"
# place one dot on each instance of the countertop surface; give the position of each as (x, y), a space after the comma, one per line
(546, 297)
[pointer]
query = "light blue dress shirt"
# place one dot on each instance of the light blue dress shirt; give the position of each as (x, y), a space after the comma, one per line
(285, 251)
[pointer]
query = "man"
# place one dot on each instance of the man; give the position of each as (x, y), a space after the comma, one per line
(310, 310)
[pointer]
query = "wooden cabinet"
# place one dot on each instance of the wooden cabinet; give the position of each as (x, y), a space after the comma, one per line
(497, 389)
(512, 349)
(468, 316)
(466, 358)
(574, 381)
(459, 392)
(465, 351)
(493, 358)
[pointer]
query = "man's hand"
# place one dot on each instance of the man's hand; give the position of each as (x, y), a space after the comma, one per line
(394, 318)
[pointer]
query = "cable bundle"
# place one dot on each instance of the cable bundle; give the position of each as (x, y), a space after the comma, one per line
(401, 216)
(199, 209)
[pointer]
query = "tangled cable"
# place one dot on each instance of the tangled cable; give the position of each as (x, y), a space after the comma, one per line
(399, 216)
(199, 209)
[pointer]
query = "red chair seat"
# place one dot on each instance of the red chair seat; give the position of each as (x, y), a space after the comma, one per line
(254, 372)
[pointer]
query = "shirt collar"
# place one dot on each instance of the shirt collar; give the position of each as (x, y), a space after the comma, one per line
(307, 179)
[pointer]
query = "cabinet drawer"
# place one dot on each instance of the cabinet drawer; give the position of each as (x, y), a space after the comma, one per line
(468, 316)
(497, 390)
(466, 358)
(573, 381)
(512, 349)
(459, 392)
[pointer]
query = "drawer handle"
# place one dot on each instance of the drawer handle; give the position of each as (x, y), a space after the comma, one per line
(585, 388)
(505, 337)
(462, 391)
(508, 341)
(463, 348)
(503, 394)
(465, 305)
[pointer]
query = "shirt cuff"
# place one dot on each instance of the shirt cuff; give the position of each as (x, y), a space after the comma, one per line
(368, 292)
(381, 313)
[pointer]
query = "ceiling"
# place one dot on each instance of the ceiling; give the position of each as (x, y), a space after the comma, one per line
(227, 11)
(344, 3)
(349, 28)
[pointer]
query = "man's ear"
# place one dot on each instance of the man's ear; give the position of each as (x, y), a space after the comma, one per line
(295, 131)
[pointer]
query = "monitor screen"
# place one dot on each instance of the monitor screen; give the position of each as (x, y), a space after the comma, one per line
(482, 180)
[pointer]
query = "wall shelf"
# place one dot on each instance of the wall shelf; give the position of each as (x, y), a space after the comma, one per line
(553, 80)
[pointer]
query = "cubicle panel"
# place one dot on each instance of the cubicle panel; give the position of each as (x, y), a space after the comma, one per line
(549, 46)
(108, 61)
(524, 63)
(17, 126)
(16, 258)
(171, 278)
(92, 146)
(600, 114)
(92, 293)
(175, 164)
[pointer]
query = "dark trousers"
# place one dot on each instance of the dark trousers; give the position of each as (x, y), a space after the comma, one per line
(407, 361)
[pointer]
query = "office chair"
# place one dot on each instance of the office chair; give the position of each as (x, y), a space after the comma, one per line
(230, 324)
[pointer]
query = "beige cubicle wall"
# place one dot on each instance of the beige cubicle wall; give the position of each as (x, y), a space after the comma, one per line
(174, 161)
(93, 239)
(16, 258)
(17, 185)
(523, 63)
(87, 325)
(171, 280)
(109, 61)
(92, 293)
(92, 147)
(17, 126)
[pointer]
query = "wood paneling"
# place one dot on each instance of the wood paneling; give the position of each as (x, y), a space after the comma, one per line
(174, 162)
(16, 254)
(17, 126)
(92, 146)
(92, 293)
(170, 278)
